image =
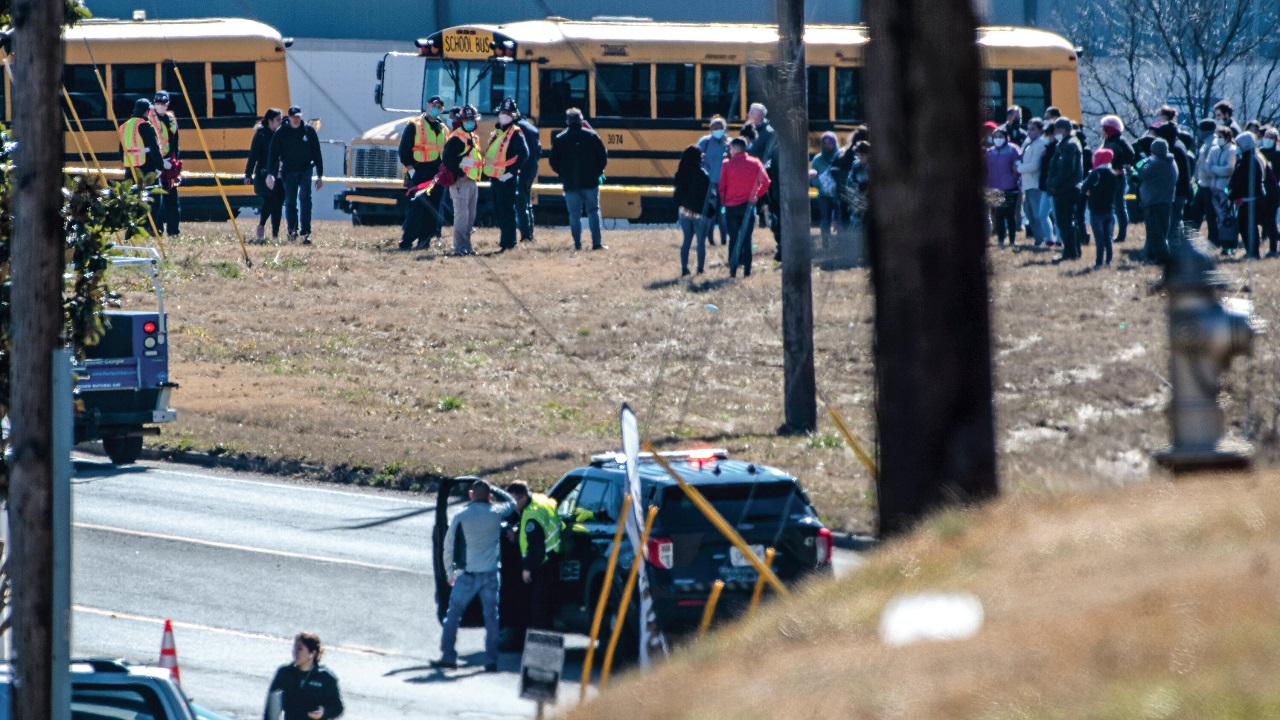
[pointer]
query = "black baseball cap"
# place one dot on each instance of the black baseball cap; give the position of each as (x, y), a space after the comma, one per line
(295, 110)
(436, 100)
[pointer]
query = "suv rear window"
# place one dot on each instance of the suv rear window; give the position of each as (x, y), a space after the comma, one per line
(116, 702)
(757, 503)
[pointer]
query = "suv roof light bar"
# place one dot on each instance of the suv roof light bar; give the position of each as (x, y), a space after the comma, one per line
(620, 458)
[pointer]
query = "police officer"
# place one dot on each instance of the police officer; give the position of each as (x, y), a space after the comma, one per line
(539, 541)
(420, 147)
(528, 176)
(464, 161)
(166, 126)
(139, 146)
(503, 160)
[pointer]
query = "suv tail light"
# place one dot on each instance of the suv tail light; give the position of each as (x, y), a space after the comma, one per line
(662, 553)
(825, 545)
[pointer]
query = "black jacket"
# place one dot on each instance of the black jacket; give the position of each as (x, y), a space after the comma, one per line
(765, 147)
(297, 148)
(1100, 191)
(455, 148)
(257, 164)
(154, 161)
(1065, 169)
(1122, 151)
(306, 691)
(1246, 184)
(409, 137)
(1046, 159)
(578, 157)
(692, 183)
(534, 144)
(515, 149)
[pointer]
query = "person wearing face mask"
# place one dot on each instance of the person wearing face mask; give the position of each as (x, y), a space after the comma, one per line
(1122, 158)
(465, 163)
(1065, 175)
(420, 146)
(528, 176)
(166, 126)
(1246, 189)
(1220, 165)
(1049, 140)
(579, 157)
(1201, 202)
(1002, 177)
(1224, 114)
(503, 160)
(1270, 205)
(1029, 181)
(715, 148)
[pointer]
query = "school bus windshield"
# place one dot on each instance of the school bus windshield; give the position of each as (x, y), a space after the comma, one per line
(483, 83)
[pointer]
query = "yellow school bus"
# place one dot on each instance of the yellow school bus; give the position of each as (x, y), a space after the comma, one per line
(234, 70)
(649, 89)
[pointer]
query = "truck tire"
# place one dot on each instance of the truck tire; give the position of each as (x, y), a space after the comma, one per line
(124, 450)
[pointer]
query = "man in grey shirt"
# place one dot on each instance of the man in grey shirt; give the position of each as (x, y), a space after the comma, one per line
(472, 559)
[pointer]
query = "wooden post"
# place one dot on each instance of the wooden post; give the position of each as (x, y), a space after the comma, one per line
(37, 267)
(928, 260)
(792, 113)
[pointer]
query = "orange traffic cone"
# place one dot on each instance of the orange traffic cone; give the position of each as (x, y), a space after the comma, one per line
(169, 652)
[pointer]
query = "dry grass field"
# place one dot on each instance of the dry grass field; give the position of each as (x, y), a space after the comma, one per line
(1160, 601)
(365, 364)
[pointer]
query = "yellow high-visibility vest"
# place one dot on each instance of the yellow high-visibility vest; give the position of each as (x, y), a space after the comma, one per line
(472, 161)
(427, 144)
(162, 130)
(135, 151)
(542, 510)
(496, 161)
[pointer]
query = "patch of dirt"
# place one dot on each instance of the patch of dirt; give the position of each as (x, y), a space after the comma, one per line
(402, 365)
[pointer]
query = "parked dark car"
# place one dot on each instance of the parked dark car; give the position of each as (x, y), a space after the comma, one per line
(685, 553)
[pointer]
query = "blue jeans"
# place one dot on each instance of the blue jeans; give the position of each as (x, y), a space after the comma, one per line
(1102, 229)
(466, 588)
(576, 201)
(1121, 208)
(297, 188)
(693, 227)
(1043, 204)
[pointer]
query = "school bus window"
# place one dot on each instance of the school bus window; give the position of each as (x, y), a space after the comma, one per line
(675, 90)
(760, 85)
(234, 90)
(128, 84)
(993, 94)
(819, 93)
(504, 80)
(1031, 92)
(622, 90)
(720, 90)
(86, 94)
(560, 90)
(849, 106)
(193, 76)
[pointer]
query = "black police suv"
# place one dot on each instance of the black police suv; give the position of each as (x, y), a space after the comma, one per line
(685, 555)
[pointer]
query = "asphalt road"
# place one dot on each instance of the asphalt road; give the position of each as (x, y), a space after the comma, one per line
(241, 563)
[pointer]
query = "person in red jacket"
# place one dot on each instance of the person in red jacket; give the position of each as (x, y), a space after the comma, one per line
(743, 181)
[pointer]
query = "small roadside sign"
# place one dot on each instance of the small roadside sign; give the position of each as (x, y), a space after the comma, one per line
(541, 666)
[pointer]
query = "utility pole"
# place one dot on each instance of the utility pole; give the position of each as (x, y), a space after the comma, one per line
(37, 266)
(797, 254)
(928, 241)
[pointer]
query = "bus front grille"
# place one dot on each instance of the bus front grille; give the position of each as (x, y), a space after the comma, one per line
(376, 162)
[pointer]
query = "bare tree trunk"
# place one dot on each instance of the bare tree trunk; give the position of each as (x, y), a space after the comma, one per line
(797, 253)
(37, 264)
(928, 255)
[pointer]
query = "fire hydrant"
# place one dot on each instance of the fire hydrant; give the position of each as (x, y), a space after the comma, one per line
(1204, 336)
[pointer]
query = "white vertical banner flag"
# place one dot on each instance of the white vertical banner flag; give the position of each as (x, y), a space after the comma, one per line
(651, 638)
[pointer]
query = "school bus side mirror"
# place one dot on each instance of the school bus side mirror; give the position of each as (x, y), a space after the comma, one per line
(315, 123)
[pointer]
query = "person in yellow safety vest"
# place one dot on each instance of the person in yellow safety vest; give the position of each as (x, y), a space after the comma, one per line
(463, 160)
(166, 126)
(421, 146)
(139, 145)
(539, 541)
(503, 160)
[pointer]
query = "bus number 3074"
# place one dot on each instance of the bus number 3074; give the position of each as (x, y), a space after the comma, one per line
(613, 139)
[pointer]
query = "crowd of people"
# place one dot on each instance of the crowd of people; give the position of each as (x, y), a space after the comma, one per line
(1044, 179)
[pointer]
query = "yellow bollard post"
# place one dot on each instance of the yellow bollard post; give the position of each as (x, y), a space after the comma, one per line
(755, 594)
(604, 598)
(111, 113)
(627, 589)
(214, 168)
(719, 522)
(848, 437)
(710, 610)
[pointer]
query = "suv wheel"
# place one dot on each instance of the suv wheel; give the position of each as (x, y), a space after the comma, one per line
(124, 450)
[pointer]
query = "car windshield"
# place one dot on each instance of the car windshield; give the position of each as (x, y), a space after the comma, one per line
(480, 83)
(740, 503)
